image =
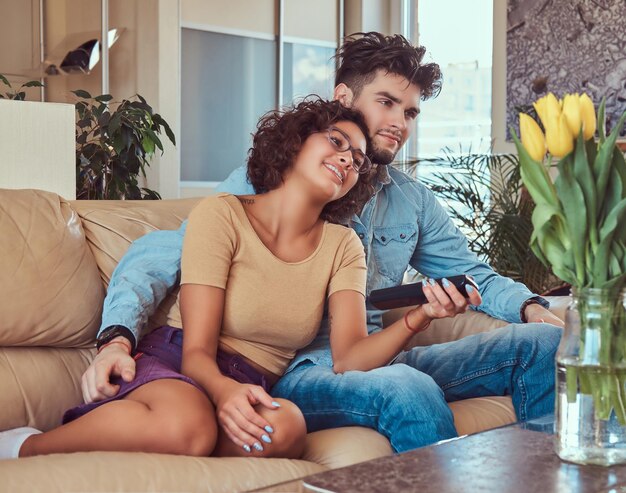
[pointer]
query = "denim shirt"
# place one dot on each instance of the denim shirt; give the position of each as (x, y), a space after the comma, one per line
(402, 224)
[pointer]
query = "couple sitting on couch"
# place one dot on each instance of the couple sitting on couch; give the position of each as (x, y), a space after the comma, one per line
(257, 273)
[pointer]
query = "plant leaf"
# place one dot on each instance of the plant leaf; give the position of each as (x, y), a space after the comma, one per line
(601, 257)
(5, 81)
(601, 124)
(535, 176)
(604, 157)
(82, 93)
(573, 201)
(103, 98)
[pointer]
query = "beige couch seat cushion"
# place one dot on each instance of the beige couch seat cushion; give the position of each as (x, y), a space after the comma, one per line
(49, 289)
(136, 472)
(341, 447)
(39, 384)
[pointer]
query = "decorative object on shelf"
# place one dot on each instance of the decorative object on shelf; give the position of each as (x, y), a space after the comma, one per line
(579, 231)
(17, 94)
(114, 146)
(78, 53)
(485, 198)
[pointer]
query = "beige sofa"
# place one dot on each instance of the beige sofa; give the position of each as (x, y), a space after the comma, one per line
(56, 258)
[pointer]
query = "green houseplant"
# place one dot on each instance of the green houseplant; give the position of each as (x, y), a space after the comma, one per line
(485, 198)
(17, 94)
(578, 229)
(114, 144)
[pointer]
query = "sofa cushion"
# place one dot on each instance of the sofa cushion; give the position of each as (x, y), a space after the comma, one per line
(50, 294)
(39, 384)
(482, 413)
(341, 447)
(112, 225)
(134, 472)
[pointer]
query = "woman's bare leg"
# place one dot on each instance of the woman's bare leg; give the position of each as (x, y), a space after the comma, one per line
(287, 440)
(164, 416)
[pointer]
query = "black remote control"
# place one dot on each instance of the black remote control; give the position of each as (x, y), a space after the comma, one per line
(412, 294)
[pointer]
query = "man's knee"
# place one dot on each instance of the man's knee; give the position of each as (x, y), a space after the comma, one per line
(289, 427)
(404, 384)
(541, 339)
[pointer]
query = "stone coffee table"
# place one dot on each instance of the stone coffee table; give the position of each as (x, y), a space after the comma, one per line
(512, 459)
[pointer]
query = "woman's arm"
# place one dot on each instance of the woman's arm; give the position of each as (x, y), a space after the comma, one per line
(353, 349)
(201, 310)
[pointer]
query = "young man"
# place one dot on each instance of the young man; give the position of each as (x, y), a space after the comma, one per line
(401, 225)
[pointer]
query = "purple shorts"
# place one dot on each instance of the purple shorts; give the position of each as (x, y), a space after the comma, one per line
(159, 355)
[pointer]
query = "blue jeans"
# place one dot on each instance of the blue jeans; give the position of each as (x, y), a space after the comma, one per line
(406, 401)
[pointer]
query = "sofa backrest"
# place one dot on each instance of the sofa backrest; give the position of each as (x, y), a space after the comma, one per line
(50, 289)
(57, 257)
(111, 225)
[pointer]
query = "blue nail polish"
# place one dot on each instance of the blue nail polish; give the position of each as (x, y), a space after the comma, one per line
(424, 282)
(431, 282)
(275, 404)
(247, 448)
(469, 289)
(258, 446)
(445, 282)
(266, 439)
(269, 429)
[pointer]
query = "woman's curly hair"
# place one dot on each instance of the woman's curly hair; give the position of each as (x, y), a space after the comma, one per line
(279, 138)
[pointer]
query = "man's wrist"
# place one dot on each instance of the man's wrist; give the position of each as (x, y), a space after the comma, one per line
(113, 332)
(535, 300)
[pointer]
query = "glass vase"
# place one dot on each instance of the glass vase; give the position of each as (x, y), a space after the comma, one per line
(591, 372)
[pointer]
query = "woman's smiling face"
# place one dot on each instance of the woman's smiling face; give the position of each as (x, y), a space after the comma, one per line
(324, 166)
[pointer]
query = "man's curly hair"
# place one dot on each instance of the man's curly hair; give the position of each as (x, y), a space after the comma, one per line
(362, 54)
(279, 138)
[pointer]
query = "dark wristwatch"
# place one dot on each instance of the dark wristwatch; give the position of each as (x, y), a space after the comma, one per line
(113, 331)
(535, 300)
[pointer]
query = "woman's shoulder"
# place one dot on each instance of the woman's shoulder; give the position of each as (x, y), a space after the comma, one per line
(341, 234)
(215, 207)
(218, 202)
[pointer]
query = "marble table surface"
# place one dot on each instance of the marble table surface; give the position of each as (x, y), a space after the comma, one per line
(513, 459)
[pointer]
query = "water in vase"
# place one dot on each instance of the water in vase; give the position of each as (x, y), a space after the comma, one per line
(582, 437)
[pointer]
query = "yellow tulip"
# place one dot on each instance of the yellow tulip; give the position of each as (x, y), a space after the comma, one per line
(559, 138)
(571, 110)
(588, 116)
(547, 107)
(532, 137)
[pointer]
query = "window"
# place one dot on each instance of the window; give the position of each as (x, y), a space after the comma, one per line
(458, 36)
(228, 82)
(309, 69)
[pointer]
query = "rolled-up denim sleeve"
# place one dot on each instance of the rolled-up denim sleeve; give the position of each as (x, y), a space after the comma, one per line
(151, 268)
(142, 279)
(442, 250)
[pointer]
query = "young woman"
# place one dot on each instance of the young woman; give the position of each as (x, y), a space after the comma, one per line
(256, 272)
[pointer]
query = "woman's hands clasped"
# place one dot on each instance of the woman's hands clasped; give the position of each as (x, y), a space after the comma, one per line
(238, 418)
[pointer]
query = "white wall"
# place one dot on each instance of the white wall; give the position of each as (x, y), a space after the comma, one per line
(37, 147)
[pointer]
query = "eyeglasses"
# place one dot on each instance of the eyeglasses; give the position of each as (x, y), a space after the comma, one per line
(341, 142)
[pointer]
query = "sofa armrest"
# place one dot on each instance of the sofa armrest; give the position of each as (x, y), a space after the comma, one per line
(471, 322)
